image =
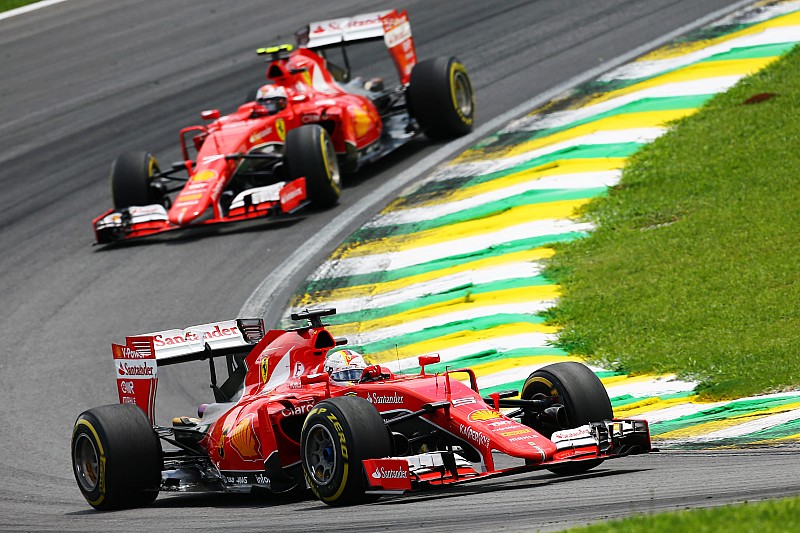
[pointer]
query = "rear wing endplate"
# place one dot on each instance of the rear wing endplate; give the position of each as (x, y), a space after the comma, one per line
(136, 362)
(391, 26)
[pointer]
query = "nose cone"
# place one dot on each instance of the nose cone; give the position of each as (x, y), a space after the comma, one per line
(194, 199)
(186, 215)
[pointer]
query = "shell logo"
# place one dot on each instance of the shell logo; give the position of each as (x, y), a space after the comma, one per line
(362, 122)
(204, 175)
(515, 432)
(280, 128)
(188, 197)
(243, 439)
(482, 415)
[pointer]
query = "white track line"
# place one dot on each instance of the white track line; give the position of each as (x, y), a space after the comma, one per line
(29, 8)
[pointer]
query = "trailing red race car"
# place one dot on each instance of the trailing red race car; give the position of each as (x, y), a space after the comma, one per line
(285, 147)
(295, 412)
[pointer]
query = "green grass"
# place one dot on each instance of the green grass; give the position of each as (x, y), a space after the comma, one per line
(776, 516)
(6, 5)
(694, 266)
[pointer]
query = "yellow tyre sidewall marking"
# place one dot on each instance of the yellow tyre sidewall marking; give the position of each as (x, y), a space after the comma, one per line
(458, 67)
(324, 150)
(151, 166)
(345, 457)
(101, 484)
(547, 382)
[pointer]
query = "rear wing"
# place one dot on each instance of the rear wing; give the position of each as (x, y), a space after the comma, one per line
(326, 33)
(392, 26)
(137, 361)
(215, 339)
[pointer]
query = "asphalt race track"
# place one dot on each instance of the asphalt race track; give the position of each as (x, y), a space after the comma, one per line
(86, 79)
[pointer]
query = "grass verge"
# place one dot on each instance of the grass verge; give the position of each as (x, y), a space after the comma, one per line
(7, 5)
(776, 516)
(693, 267)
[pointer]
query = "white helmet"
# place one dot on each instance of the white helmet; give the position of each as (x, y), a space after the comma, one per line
(345, 365)
(272, 97)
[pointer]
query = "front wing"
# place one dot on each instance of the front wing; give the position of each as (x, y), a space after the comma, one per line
(271, 201)
(610, 439)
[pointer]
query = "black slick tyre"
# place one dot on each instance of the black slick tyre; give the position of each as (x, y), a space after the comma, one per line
(337, 435)
(309, 153)
(584, 398)
(440, 98)
(132, 180)
(116, 457)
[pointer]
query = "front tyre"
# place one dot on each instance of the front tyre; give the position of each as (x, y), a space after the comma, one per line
(116, 457)
(440, 98)
(309, 153)
(132, 180)
(337, 435)
(584, 398)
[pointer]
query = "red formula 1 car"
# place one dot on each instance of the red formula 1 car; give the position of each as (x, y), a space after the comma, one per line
(284, 148)
(281, 423)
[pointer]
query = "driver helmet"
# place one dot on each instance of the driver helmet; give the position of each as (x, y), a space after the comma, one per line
(272, 97)
(345, 365)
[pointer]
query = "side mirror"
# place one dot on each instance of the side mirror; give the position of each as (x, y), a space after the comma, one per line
(428, 360)
(210, 114)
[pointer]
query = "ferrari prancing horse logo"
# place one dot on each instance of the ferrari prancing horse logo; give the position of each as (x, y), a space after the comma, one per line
(280, 128)
(264, 369)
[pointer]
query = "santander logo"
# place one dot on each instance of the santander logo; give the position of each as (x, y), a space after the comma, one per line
(580, 432)
(384, 473)
(382, 399)
(135, 369)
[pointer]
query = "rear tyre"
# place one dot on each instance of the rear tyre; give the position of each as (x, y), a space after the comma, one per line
(337, 435)
(309, 153)
(132, 180)
(584, 398)
(116, 457)
(440, 98)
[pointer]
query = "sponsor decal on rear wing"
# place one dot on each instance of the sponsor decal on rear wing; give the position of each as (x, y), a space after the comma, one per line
(173, 346)
(178, 345)
(335, 31)
(392, 26)
(400, 44)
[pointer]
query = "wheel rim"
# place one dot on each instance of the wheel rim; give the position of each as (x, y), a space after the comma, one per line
(87, 463)
(320, 458)
(463, 93)
(332, 163)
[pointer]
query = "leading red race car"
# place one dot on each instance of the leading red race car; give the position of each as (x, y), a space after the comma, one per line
(284, 148)
(281, 422)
